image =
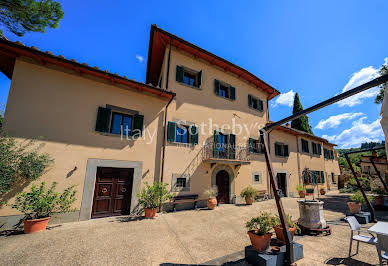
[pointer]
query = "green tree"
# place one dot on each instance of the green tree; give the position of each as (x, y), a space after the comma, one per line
(301, 123)
(379, 97)
(21, 16)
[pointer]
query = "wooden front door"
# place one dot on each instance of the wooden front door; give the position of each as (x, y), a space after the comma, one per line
(282, 183)
(222, 182)
(112, 192)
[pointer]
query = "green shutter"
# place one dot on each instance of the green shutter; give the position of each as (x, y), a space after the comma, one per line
(250, 103)
(138, 121)
(194, 135)
(313, 175)
(103, 119)
(261, 107)
(250, 145)
(199, 79)
(171, 131)
(277, 149)
(215, 146)
(232, 93)
(217, 87)
(232, 144)
(179, 73)
(319, 149)
(285, 150)
(323, 177)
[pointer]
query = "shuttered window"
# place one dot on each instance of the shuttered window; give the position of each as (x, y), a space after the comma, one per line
(188, 76)
(224, 90)
(187, 134)
(281, 149)
(255, 103)
(305, 146)
(255, 146)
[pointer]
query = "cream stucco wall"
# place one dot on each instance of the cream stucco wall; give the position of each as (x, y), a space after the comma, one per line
(62, 108)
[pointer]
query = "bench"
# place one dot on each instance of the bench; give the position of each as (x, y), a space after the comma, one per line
(262, 194)
(188, 198)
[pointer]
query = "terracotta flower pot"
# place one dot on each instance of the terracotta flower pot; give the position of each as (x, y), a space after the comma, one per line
(36, 225)
(211, 203)
(322, 191)
(279, 233)
(354, 207)
(302, 194)
(379, 200)
(249, 201)
(150, 213)
(260, 243)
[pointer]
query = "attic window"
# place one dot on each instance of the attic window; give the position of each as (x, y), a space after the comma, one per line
(189, 77)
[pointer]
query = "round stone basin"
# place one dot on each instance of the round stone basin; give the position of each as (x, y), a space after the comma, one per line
(311, 214)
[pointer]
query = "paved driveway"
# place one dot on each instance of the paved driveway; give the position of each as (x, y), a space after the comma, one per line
(185, 237)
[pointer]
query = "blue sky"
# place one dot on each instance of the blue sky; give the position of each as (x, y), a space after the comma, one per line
(315, 48)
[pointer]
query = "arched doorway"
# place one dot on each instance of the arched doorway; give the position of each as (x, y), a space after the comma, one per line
(223, 185)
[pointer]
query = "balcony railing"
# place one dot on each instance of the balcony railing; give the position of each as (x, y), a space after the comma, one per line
(226, 152)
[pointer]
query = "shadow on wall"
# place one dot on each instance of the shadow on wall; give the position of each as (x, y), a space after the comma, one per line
(19, 185)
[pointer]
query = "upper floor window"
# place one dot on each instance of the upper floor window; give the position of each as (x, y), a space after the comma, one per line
(224, 90)
(328, 154)
(255, 103)
(180, 133)
(121, 123)
(281, 149)
(255, 146)
(305, 146)
(189, 77)
(316, 148)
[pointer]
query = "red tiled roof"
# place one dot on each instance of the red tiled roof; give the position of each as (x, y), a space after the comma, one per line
(159, 39)
(9, 51)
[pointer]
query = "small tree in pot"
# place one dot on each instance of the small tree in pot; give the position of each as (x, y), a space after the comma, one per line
(249, 194)
(277, 226)
(357, 200)
(151, 197)
(211, 195)
(258, 233)
(301, 191)
(39, 204)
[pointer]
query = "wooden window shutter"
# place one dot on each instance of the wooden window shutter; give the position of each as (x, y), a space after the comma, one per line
(250, 102)
(261, 106)
(323, 177)
(179, 73)
(171, 131)
(199, 79)
(194, 135)
(217, 87)
(232, 93)
(286, 150)
(138, 121)
(232, 143)
(277, 149)
(250, 145)
(215, 144)
(319, 149)
(103, 119)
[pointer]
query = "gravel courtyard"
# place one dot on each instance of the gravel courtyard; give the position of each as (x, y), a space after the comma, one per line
(186, 237)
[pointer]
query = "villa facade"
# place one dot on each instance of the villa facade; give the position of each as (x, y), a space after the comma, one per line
(194, 124)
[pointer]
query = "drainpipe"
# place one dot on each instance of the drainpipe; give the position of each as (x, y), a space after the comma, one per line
(165, 115)
(298, 160)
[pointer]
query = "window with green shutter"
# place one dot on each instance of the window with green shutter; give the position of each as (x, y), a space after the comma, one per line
(255, 103)
(103, 119)
(189, 77)
(305, 146)
(281, 149)
(232, 146)
(224, 90)
(181, 133)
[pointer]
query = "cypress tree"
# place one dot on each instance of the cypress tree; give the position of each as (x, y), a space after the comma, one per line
(301, 123)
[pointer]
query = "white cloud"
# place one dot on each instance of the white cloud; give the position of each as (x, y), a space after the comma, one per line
(335, 120)
(364, 75)
(285, 99)
(140, 58)
(359, 132)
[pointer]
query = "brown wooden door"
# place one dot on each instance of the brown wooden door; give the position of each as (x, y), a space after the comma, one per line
(112, 192)
(222, 182)
(282, 183)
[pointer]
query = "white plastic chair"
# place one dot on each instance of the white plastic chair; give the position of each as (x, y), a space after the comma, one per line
(382, 248)
(355, 227)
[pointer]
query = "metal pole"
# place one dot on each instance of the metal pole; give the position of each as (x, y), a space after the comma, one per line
(378, 174)
(339, 97)
(289, 243)
(372, 211)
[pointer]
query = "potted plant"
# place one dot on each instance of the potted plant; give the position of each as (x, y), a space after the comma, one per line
(309, 191)
(249, 194)
(379, 198)
(40, 203)
(151, 197)
(322, 191)
(356, 201)
(301, 191)
(258, 231)
(277, 226)
(211, 195)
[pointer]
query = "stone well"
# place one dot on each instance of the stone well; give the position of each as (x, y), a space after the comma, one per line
(311, 214)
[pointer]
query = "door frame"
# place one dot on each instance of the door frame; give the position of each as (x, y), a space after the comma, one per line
(229, 197)
(287, 180)
(90, 181)
(230, 171)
